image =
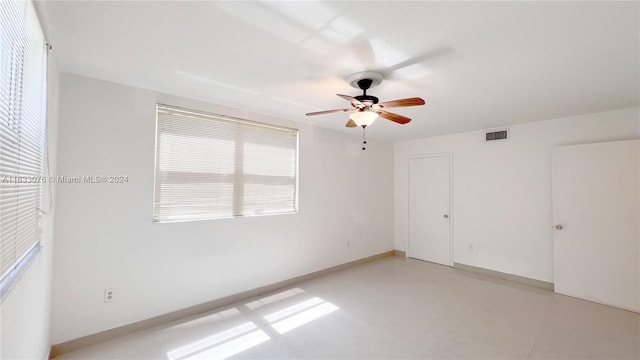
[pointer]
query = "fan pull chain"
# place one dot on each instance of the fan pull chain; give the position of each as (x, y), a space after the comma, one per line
(364, 137)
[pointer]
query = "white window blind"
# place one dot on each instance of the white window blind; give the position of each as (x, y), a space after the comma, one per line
(212, 166)
(22, 130)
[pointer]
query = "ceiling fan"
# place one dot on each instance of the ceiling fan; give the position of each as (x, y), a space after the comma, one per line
(366, 108)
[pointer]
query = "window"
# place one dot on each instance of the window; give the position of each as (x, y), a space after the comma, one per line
(22, 132)
(212, 166)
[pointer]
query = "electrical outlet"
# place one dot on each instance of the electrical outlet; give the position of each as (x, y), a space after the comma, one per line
(109, 295)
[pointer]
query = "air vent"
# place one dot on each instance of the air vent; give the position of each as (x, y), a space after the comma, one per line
(497, 135)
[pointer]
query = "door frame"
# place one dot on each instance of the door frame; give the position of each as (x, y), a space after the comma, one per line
(449, 156)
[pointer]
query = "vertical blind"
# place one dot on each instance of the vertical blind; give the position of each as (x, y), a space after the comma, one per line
(22, 130)
(211, 166)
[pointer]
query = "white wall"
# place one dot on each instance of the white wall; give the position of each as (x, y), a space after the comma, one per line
(105, 237)
(26, 311)
(502, 190)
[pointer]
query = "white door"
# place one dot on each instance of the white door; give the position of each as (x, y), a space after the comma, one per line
(596, 197)
(429, 204)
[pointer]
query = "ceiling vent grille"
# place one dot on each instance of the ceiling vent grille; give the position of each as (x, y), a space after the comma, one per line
(499, 135)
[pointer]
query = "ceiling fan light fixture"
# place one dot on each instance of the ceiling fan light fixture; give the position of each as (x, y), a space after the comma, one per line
(364, 118)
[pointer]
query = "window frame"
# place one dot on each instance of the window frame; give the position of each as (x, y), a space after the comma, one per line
(238, 177)
(31, 114)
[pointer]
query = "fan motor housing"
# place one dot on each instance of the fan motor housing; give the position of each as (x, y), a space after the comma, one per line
(367, 98)
(364, 85)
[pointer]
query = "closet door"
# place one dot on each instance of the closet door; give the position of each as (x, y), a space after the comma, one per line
(596, 243)
(429, 209)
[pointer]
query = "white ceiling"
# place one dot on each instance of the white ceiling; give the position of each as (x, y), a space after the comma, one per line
(477, 64)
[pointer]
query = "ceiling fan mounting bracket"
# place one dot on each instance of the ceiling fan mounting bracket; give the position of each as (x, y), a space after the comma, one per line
(375, 78)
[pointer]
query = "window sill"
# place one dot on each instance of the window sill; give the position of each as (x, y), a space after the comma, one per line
(11, 280)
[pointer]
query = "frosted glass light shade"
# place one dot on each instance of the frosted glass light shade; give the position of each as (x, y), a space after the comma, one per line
(364, 118)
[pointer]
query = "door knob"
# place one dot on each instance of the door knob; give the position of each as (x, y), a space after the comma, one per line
(558, 227)
(445, 216)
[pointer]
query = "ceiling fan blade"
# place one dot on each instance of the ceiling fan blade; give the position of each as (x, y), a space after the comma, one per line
(414, 101)
(327, 112)
(393, 117)
(355, 102)
(351, 123)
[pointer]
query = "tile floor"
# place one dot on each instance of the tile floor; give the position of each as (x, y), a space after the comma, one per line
(392, 309)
